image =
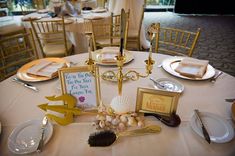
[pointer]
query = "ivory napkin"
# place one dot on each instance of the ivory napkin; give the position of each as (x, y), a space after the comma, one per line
(192, 67)
(45, 68)
(93, 17)
(109, 54)
(99, 10)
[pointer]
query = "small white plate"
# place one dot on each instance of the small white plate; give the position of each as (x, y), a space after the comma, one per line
(219, 129)
(169, 85)
(25, 137)
(171, 64)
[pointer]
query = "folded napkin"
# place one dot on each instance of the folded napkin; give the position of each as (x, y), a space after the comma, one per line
(29, 18)
(93, 17)
(99, 10)
(108, 54)
(192, 67)
(45, 68)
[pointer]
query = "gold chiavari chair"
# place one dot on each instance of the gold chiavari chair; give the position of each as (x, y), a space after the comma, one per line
(15, 51)
(174, 41)
(51, 37)
(134, 36)
(106, 31)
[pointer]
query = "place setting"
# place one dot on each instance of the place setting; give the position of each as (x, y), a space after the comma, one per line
(211, 127)
(107, 56)
(41, 69)
(188, 68)
(30, 136)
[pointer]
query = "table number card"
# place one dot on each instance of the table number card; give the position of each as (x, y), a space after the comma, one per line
(156, 101)
(82, 84)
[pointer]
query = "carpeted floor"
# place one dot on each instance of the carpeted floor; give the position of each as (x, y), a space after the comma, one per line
(216, 42)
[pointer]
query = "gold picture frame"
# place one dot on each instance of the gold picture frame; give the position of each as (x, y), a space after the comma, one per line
(156, 101)
(82, 84)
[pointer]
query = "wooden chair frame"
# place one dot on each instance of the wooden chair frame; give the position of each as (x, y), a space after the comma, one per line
(174, 41)
(47, 32)
(15, 51)
(111, 31)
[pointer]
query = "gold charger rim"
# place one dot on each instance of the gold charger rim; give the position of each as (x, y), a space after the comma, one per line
(23, 75)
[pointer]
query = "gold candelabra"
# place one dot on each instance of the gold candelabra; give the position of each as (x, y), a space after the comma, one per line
(90, 62)
(120, 75)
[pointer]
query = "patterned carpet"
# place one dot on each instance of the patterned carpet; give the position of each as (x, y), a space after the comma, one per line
(216, 42)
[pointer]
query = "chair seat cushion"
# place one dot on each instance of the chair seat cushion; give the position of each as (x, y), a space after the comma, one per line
(56, 50)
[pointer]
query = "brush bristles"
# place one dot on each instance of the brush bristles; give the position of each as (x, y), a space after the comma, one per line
(102, 138)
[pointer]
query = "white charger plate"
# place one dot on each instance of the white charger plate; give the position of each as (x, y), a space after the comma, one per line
(219, 129)
(170, 64)
(25, 138)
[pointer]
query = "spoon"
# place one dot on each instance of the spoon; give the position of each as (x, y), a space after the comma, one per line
(158, 84)
(172, 121)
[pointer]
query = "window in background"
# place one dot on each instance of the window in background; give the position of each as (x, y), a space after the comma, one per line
(19, 7)
(160, 5)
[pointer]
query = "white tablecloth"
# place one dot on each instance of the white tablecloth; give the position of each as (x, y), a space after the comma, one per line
(19, 104)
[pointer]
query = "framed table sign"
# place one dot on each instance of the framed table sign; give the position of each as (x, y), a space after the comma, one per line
(82, 84)
(156, 101)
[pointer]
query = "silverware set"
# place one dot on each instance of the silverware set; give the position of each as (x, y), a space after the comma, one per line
(204, 131)
(217, 74)
(29, 86)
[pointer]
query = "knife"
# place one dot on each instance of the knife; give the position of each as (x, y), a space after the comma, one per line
(204, 131)
(230, 100)
(213, 79)
(25, 84)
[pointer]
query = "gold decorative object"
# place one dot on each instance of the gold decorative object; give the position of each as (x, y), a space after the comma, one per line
(157, 101)
(90, 62)
(131, 74)
(68, 109)
(120, 76)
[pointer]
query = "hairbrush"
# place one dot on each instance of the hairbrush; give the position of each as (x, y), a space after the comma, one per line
(172, 121)
(108, 137)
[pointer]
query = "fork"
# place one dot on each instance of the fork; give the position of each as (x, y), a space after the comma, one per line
(213, 79)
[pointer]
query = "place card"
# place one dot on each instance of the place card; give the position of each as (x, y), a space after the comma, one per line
(156, 101)
(82, 84)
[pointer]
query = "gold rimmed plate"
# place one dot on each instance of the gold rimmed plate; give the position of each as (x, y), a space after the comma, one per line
(170, 64)
(23, 75)
(97, 56)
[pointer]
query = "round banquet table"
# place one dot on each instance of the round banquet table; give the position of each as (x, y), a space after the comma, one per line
(19, 104)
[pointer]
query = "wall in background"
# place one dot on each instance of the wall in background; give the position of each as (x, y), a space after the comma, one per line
(205, 7)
